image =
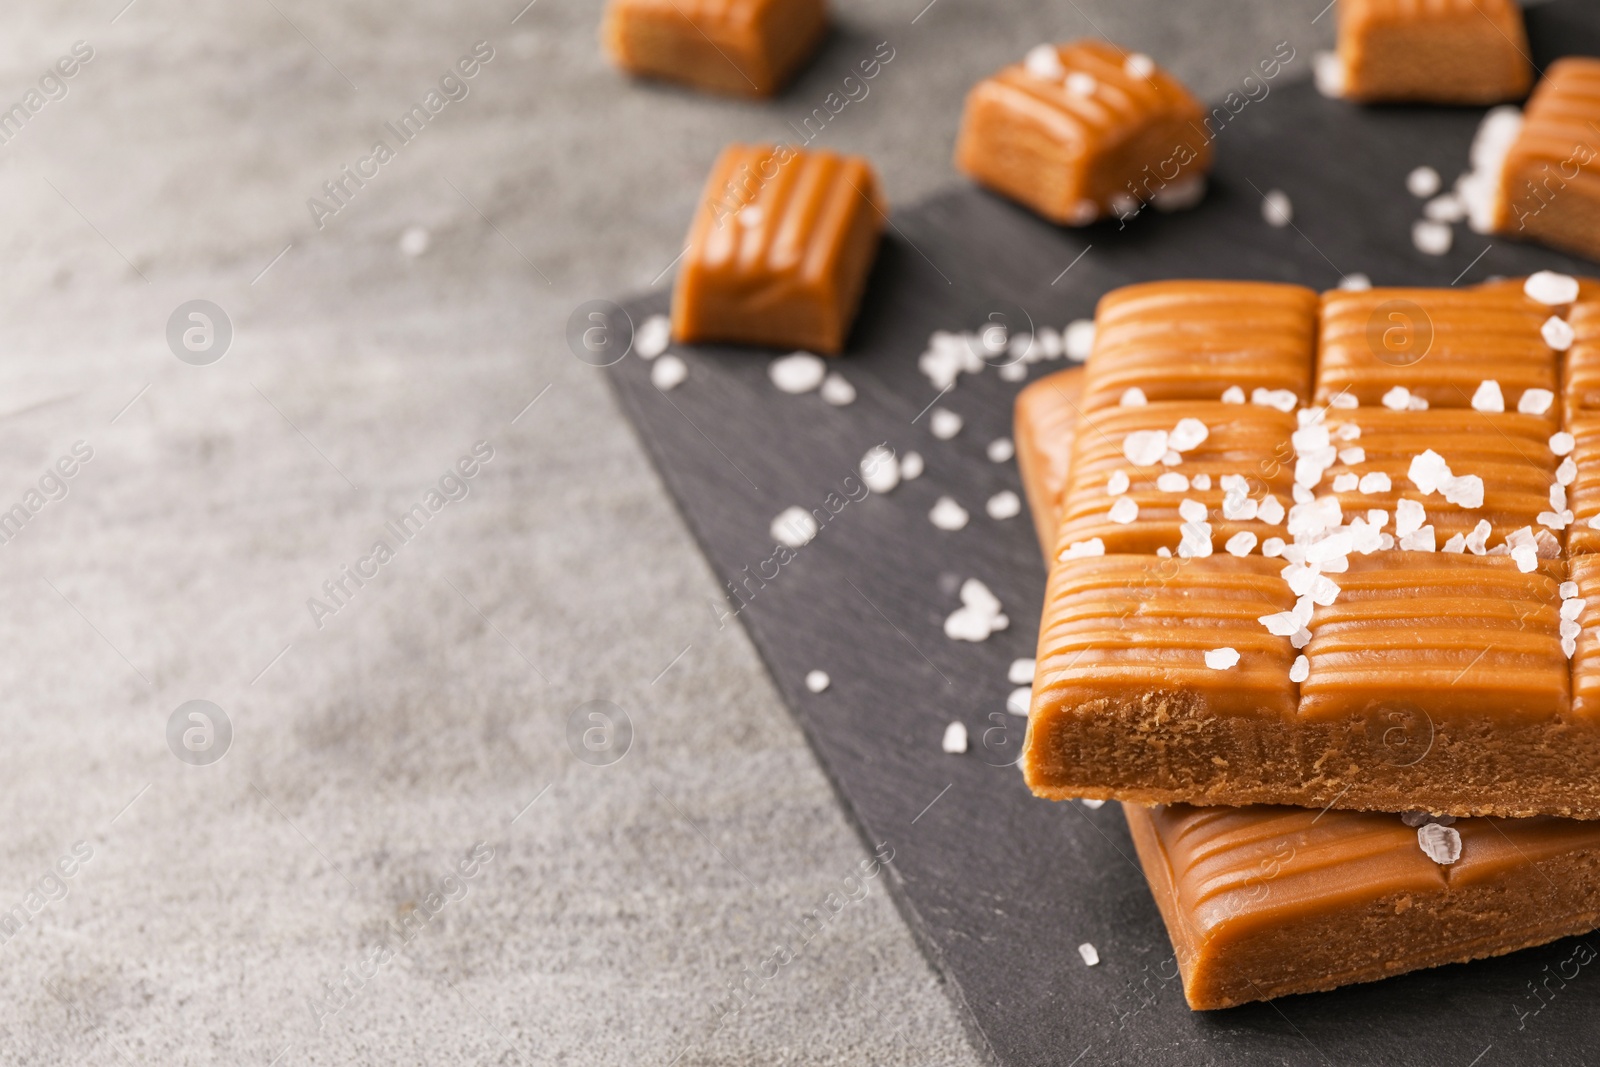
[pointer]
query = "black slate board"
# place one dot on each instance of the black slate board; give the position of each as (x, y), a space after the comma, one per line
(999, 887)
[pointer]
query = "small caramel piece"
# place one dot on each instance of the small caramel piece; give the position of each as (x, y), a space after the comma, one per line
(1437, 345)
(1082, 130)
(1550, 180)
(740, 47)
(1438, 51)
(1261, 902)
(779, 250)
(1196, 340)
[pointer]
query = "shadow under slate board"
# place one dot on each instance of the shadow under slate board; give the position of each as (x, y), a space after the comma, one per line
(1000, 887)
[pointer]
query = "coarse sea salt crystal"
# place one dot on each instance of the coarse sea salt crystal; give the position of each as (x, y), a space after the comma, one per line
(1172, 482)
(793, 527)
(1419, 540)
(1423, 182)
(1241, 543)
(1464, 491)
(1281, 624)
(1021, 671)
(1094, 546)
(1000, 450)
(1446, 208)
(1201, 481)
(1557, 333)
(1194, 540)
(1301, 670)
(1397, 399)
(1562, 443)
(1432, 238)
(1080, 83)
(1479, 537)
(947, 514)
(1456, 542)
(1282, 399)
(1145, 448)
(798, 372)
(1123, 510)
(1550, 288)
(955, 739)
(1044, 61)
(1442, 844)
(1409, 515)
(1568, 590)
(1572, 607)
(1272, 547)
(1535, 401)
(1018, 699)
(1428, 472)
(1355, 282)
(1132, 398)
(911, 466)
(1328, 73)
(1188, 435)
(1375, 482)
(1222, 659)
(1117, 484)
(1345, 483)
(1078, 340)
(1139, 65)
(1488, 397)
(1277, 209)
(1192, 511)
(668, 372)
(1271, 511)
(879, 469)
(817, 681)
(837, 390)
(655, 333)
(1005, 505)
(944, 424)
(1526, 557)
(1233, 395)
(1090, 954)
(1353, 456)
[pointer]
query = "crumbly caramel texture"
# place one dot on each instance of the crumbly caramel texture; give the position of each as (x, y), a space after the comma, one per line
(1550, 180)
(1069, 154)
(1438, 634)
(738, 47)
(1434, 51)
(1266, 901)
(779, 250)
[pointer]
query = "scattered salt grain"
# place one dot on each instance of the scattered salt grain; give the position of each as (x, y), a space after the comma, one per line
(1188, 435)
(1179, 195)
(1345, 483)
(1043, 61)
(1241, 543)
(1192, 511)
(1446, 208)
(1550, 288)
(1397, 399)
(837, 390)
(1355, 282)
(879, 469)
(1139, 65)
(1353, 457)
(1090, 954)
(1441, 843)
(668, 372)
(1117, 484)
(799, 372)
(1281, 399)
(1277, 209)
(1021, 672)
(947, 514)
(955, 739)
(1432, 238)
(1001, 449)
(911, 466)
(1133, 398)
(1423, 182)
(817, 681)
(1557, 333)
(1222, 659)
(1019, 699)
(1091, 805)
(1145, 448)
(1535, 401)
(1300, 671)
(1172, 482)
(1562, 443)
(414, 241)
(655, 333)
(1078, 340)
(1124, 510)
(1329, 74)
(1375, 482)
(1201, 481)
(1006, 505)
(1013, 372)
(1094, 546)
(793, 527)
(1081, 84)
(1488, 397)
(1569, 590)
(944, 424)
(1233, 395)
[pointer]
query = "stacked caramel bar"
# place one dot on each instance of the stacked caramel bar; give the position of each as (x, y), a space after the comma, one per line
(1328, 552)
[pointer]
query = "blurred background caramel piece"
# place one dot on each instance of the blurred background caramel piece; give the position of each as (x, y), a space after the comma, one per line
(1550, 180)
(779, 249)
(739, 47)
(1433, 51)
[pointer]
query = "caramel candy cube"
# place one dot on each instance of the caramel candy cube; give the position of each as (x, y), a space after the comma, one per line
(1550, 179)
(740, 47)
(779, 249)
(1082, 130)
(1441, 51)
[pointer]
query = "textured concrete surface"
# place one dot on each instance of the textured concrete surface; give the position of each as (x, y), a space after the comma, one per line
(303, 899)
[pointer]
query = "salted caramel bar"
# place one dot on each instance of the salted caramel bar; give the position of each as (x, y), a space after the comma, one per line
(1364, 602)
(1441, 51)
(1083, 130)
(1549, 189)
(740, 47)
(779, 249)
(1264, 901)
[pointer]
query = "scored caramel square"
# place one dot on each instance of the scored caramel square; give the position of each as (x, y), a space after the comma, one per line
(1550, 180)
(740, 47)
(1102, 132)
(779, 249)
(1436, 51)
(1195, 340)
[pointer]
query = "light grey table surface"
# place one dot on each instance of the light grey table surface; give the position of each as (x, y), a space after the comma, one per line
(220, 905)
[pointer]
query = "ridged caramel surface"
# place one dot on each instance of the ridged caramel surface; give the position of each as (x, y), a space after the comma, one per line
(1243, 439)
(1510, 452)
(1053, 149)
(741, 47)
(1452, 635)
(1583, 495)
(1585, 571)
(779, 249)
(1581, 384)
(1439, 344)
(1044, 427)
(1130, 623)
(1444, 51)
(1193, 340)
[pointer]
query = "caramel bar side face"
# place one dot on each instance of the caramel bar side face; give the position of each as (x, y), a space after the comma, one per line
(1262, 902)
(779, 250)
(1249, 342)
(1438, 51)
(738, 47)
(1096, 131)
(1550, 180)
(1044, 428)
